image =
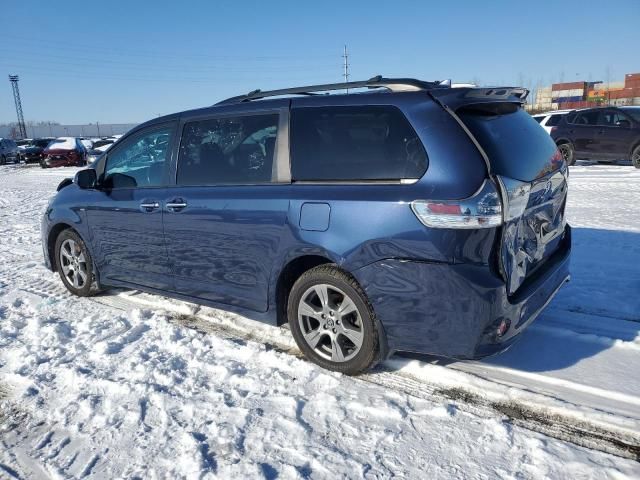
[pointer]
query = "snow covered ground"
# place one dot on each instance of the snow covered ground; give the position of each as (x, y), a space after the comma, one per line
(129, 385)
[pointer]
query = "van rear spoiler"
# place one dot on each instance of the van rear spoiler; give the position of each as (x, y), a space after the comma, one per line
(458, 97)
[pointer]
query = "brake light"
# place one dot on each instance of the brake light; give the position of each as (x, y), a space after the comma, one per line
(482, 210)
(553, 129)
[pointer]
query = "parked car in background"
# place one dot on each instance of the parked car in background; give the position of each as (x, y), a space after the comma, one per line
(370, 222)
(88, 144)
(8, 151)
(103, 144)
(93, 155)
(64, 151)
(551, 119)
(34, 151)
(25, 142)
(604, 134)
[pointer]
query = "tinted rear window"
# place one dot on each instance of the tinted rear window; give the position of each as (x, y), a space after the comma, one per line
(554, 120)
(538, 119)
(354, 143)
(516, 145)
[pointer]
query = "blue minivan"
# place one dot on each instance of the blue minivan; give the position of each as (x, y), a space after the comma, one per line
(403, 215)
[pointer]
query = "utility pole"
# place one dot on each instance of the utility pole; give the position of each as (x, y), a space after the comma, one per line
(98, 125)
(345, 56)
(16, 98)
(608, 74)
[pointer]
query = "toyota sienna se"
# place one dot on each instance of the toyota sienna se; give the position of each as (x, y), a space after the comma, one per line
(404, 216)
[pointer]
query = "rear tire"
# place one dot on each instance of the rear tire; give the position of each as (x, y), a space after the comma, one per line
(635, 157)
(568, 153)
(333, 322)
(74, 264)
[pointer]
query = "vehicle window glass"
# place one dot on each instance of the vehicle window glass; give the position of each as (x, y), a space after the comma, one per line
(611, 118)
(228, 150)
(587, 118)
(354, 143)
(140, 161)
(515, 146)
(634, 112)
(539, 119)
(554, 120)
(571, 117)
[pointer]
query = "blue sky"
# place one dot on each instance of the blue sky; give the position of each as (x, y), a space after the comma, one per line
(114, 61)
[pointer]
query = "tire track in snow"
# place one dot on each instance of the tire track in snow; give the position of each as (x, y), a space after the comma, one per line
(539, 412)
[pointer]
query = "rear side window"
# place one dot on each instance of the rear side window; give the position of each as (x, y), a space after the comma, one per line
(539, 119)
(587, 118)
(516, 145)
(554, 120)
(228, 150)
(354, 143)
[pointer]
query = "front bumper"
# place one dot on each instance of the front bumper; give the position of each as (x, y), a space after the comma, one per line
(454, 310)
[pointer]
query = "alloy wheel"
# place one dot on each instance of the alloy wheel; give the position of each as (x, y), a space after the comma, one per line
(635, 158)
(73, 263)
(330, 323)
(565, 151)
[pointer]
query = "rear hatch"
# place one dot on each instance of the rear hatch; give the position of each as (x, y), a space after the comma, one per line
(530, 172)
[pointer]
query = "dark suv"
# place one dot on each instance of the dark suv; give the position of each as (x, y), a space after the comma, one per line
(603, 134)
(414, 217)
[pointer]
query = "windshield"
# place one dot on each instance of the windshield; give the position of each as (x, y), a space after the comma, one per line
(633, 112)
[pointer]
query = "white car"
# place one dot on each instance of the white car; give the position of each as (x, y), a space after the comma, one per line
(549, 120)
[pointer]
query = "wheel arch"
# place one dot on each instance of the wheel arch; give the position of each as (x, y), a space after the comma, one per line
(54, 233)
(562, 140)
(291, 271)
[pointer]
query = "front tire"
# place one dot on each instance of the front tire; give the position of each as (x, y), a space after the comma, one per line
(635, 157)
(332, 321)
(568, 154)
(74, 263)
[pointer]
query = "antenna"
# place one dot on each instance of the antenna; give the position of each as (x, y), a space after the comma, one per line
(345, 55)
(16, 98)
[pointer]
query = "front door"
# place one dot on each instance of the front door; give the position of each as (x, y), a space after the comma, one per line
(225, 218)
(618, 134)
(125, 212)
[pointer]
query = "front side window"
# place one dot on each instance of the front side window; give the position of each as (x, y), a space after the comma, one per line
(611, 118)
(228, 150)
(354, 143)
(139, 161)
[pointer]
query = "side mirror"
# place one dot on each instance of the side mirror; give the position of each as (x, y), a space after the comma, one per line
(623, 123)
(86, 178)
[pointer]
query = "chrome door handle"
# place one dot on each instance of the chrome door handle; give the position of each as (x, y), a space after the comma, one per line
(149, 206)
(175, 206)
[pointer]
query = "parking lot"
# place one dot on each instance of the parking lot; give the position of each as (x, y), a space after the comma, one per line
(103, 385)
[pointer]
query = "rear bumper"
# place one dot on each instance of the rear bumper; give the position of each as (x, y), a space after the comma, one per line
(454, 310)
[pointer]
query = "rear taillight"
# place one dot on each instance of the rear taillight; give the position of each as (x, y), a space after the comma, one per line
(515, 197)
(553, 129)
(482, 210)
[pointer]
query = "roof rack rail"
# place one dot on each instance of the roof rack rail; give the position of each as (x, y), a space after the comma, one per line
(394, 84)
